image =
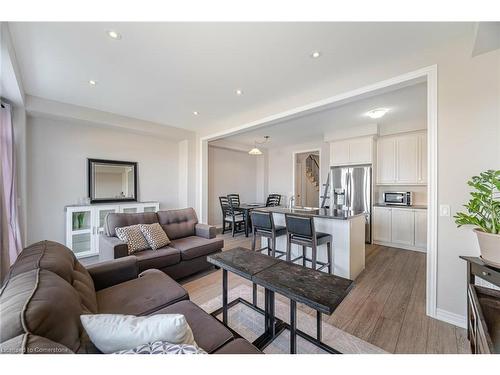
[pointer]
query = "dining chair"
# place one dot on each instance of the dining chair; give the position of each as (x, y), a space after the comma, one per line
(273, 200)
(301, 231)
(234, 218)
(234, 199)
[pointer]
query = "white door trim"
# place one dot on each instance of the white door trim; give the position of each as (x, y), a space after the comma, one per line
(430, 74)
(294, 154)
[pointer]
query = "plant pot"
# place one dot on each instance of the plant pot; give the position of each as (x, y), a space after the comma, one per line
(489, 244)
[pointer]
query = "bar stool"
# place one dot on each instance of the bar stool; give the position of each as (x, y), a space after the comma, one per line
(263, 226)
(301, 231)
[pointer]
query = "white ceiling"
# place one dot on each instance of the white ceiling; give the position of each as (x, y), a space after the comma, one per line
(407, 111)
(162, 72)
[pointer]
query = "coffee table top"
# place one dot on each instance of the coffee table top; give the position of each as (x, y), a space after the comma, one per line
(319, 290)
(241, 261)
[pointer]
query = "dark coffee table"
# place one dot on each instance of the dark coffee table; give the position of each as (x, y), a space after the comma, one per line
(321, 291)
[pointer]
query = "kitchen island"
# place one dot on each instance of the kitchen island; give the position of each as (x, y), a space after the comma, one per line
(348, 232)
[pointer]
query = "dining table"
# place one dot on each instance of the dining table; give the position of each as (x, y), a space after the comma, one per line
(246, 209)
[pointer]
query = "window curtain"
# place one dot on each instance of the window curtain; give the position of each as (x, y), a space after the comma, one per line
(9, 219)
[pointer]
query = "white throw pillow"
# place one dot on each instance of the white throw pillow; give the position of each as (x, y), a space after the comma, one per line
(114, 332)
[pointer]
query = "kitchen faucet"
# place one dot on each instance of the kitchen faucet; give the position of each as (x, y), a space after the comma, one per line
(290, 200)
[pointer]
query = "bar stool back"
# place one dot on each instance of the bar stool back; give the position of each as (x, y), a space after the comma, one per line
(263, 226)
(301, 231)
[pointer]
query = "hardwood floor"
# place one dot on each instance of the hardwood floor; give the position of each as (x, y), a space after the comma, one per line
(386, 307)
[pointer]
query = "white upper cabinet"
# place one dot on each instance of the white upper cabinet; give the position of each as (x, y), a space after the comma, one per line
(352, 151)
(406, 160)
(339, 153)
(422, 149)
(386, 161)
(402, 159)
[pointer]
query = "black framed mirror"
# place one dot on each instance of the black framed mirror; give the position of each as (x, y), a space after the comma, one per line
(112, 181)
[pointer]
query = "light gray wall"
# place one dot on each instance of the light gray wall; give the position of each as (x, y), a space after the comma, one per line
(468, 143)
(57, 155)
(229, 171)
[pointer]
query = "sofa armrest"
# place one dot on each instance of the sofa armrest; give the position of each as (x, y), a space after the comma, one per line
(112, 247)
(112, 272)
(205, 231)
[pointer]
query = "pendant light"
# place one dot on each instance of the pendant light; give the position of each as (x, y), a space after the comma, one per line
(255, 150)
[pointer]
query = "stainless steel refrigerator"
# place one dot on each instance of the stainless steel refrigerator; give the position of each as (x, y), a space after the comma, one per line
(351, 189)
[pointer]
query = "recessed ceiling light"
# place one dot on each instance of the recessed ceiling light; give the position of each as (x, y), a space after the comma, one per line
(196, 113)
(315, 54)
(238, 92)
(377, 113)
(92, 82)
(113, 34)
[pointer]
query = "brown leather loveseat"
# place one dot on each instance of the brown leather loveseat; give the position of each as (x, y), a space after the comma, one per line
(184, 256)
(47, 290)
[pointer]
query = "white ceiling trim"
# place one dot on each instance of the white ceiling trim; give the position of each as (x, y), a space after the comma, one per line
(39, 107)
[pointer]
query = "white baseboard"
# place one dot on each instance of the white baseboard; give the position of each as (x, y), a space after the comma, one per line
(452, 318)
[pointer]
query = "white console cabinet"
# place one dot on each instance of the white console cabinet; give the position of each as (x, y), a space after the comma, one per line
(85, 223)
(404, 228)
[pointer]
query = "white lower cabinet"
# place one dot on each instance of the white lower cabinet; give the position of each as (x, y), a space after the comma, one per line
(421, 229)
(400, 227)
(382, 225)
(85, 223)
(403, 227)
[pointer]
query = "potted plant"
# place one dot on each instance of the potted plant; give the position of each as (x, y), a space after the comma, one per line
(483, 211)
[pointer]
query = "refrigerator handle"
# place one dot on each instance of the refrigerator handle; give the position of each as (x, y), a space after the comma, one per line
(348, 190)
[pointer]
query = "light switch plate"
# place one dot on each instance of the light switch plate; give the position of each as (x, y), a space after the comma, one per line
(444, 210)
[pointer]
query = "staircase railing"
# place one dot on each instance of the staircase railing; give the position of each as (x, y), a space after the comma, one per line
(312, 168)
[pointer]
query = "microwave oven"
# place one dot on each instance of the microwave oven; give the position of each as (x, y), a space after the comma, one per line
(399, 198)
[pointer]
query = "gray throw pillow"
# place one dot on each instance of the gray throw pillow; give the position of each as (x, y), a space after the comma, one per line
(155, 235)
(134, 238)
(163, 347)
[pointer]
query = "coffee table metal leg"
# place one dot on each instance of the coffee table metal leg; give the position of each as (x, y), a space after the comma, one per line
(271, 314)
(266, 310)
(293, 327)
(254, 295)
(224, 296)
(318, 325)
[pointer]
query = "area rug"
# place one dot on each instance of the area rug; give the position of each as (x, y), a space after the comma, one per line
(250, 324)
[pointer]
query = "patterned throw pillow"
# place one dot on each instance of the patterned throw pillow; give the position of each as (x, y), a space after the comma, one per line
(163, 347)
(155, 235)
(134, 238)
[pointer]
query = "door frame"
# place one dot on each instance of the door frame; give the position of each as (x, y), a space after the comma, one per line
(428, 74)
(294, 155)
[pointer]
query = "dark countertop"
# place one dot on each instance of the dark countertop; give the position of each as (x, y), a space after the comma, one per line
(326, 213)
(413, 206)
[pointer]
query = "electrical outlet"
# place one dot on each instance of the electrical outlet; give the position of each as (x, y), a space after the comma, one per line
(444, 210)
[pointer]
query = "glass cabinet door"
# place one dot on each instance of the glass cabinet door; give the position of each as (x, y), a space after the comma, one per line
(79, 231)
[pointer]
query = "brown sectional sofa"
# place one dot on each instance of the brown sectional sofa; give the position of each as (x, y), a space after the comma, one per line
(47, 290)
(184, 256)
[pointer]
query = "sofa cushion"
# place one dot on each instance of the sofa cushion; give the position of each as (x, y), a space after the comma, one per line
(178, 223)
(57, 258)
(238, 346)
(118, 220)
(209, 333)
(193, 247)
(140, 296)
(159, 259)
(41, 303)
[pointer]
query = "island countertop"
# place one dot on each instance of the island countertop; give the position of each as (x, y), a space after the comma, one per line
(326, 213)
